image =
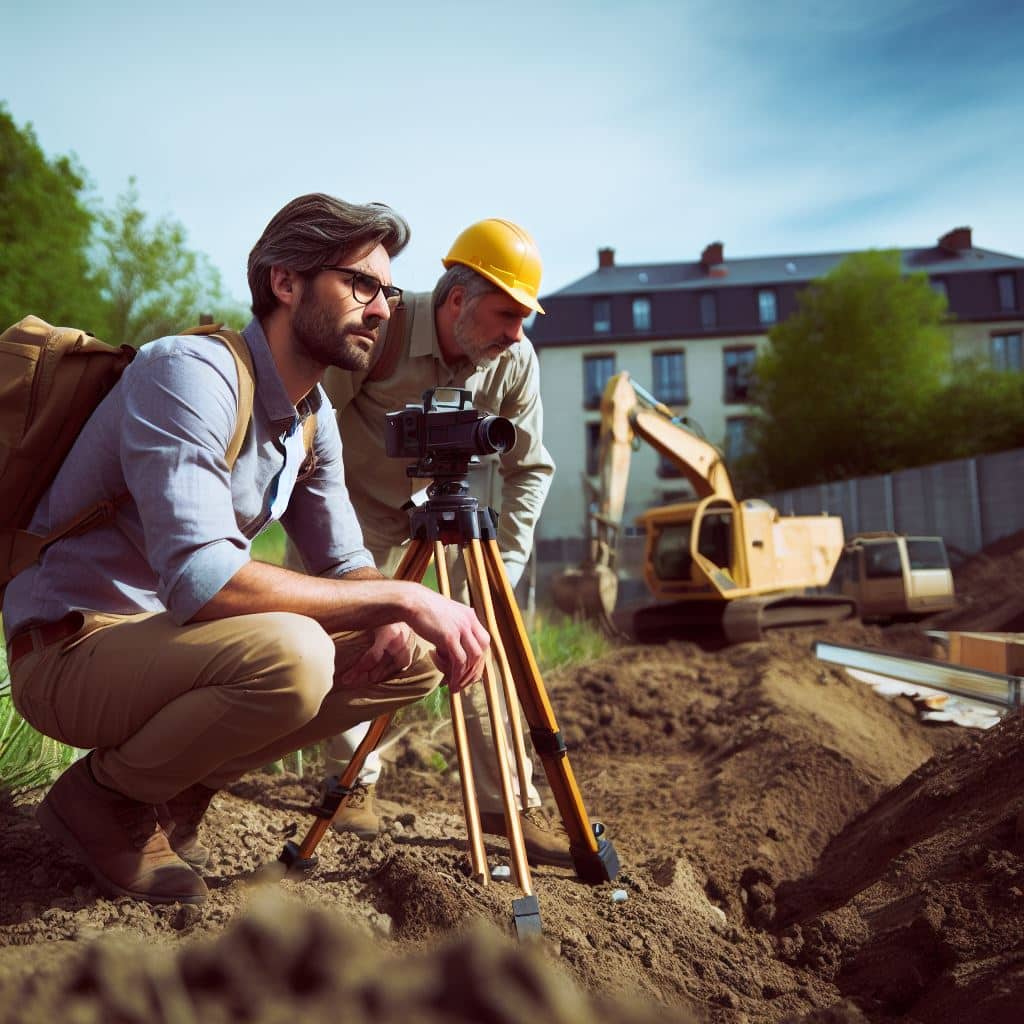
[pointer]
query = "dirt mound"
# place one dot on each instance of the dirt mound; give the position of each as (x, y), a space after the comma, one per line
(988, 591)
(918, 906)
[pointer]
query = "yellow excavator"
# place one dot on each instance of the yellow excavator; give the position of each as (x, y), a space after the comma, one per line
(716, 567)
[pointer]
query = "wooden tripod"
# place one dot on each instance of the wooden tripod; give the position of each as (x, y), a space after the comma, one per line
(452, 517)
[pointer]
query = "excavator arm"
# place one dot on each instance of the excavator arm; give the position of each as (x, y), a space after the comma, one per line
(629, 412)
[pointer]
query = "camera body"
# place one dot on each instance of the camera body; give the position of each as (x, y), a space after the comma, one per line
(446, 428)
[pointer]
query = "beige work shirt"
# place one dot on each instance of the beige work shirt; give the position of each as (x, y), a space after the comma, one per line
(508, 386)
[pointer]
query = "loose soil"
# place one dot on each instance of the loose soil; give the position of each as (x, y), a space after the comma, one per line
(794, 847)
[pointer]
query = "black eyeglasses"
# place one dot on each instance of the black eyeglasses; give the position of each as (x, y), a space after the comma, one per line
(365, 287)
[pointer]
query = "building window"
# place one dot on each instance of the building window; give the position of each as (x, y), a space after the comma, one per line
(739, 372)
(641, 314)
(737, 437)
(767, 306)
(597, 370)
(1006, 351)
(602, 316)
(1006, 284)
(708, 310)
(940, 288)
(593, 442)
(669, 376)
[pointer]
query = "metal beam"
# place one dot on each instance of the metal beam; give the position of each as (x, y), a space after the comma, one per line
(992, 688)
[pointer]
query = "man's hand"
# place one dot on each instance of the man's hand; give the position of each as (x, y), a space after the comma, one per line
(459, 639)
(389, 654)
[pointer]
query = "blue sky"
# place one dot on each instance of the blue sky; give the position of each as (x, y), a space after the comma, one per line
(651, 127)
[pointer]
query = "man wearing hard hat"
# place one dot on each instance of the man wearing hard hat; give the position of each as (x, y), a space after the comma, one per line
(467, 333)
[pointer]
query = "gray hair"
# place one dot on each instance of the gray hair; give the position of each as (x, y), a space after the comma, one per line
(459, 275)
(317, 229)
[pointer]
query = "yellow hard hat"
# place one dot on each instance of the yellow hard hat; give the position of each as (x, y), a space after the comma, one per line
(503, 253)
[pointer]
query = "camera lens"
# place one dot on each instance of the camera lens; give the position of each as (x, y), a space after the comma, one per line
(494, 434)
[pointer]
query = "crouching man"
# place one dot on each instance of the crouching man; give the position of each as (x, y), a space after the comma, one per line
(156, 640)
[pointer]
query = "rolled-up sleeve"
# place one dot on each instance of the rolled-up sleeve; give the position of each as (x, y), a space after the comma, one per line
(180, 419)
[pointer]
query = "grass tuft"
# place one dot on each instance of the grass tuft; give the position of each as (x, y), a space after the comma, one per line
(27, 758)
(559, 640)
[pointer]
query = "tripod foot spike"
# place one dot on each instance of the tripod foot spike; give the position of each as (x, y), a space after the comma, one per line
(292, 859)
(526, 917)
(595, 868)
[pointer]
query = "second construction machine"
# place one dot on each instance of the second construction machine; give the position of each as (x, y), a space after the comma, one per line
(716, 567)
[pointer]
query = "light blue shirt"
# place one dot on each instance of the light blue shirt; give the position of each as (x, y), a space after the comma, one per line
(161, 435)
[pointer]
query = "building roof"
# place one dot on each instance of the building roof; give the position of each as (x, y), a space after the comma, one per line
(768, 270)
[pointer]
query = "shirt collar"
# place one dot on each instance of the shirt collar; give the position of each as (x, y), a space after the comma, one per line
(269, 386)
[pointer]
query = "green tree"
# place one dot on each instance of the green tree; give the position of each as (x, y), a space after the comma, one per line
(152, 283)
(848, 384)
(45, 230)
(980, 410)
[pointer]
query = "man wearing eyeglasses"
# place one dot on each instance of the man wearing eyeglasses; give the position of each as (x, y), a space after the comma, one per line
(156, 640)
(467, 333)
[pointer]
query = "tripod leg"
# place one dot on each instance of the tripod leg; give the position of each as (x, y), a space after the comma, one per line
(511, 701)
(414, 562)
(512, 709)
(301, 856)
(477, 854)
(526, 910)
(595, 859)
(477, 575)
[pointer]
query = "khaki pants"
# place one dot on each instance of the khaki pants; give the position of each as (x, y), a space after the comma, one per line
(166, 706)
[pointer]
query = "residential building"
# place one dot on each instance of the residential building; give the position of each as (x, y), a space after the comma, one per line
(690, 332)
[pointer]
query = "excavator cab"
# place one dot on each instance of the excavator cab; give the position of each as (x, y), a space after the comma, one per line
(671, 548)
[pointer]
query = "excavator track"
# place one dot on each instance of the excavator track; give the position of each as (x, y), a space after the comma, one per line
(721, 623)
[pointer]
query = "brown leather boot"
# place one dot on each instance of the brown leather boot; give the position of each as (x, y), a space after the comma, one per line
(119, 839)
(545, 840)
(359, 815)
(180, 818)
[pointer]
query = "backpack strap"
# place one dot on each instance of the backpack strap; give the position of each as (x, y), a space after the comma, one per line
(239, 349)
(246, 391)
(391, 345)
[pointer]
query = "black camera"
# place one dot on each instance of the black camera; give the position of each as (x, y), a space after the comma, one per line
(446, 427)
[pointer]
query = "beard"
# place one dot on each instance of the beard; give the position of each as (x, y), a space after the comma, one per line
(469, 338)
(327, 342)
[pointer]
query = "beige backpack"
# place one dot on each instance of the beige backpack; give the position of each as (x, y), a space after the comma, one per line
(51, 380)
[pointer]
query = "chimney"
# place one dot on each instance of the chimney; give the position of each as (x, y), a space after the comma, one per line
(713, 258)
(605, 258)
(956, 240)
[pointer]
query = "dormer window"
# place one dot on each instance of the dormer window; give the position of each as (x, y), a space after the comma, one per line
(641, 314)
